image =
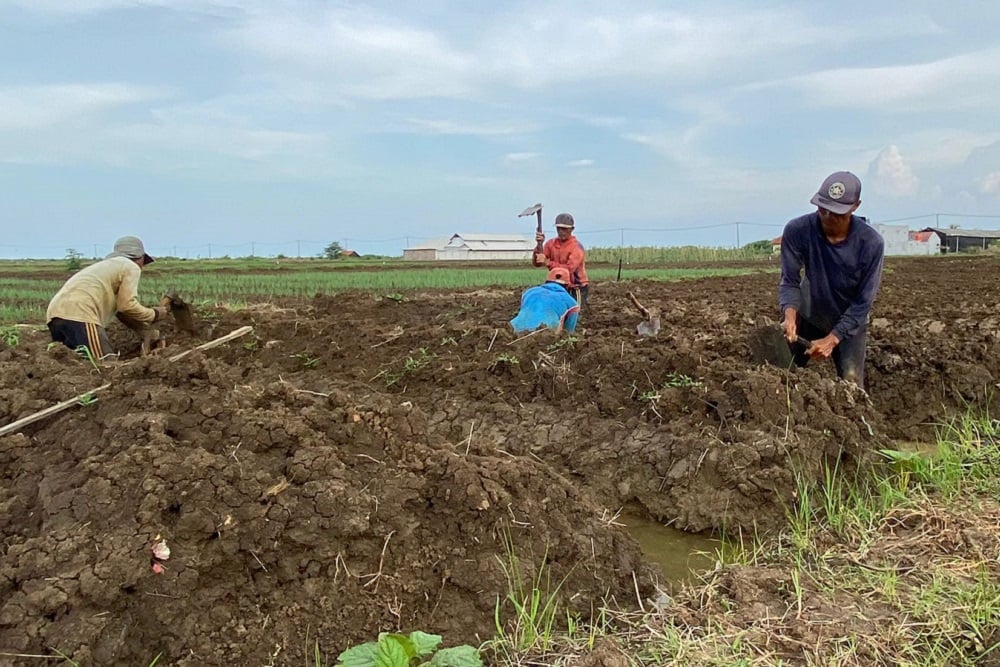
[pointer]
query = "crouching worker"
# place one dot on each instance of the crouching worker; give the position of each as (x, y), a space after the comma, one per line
(83, 307)
(548, 305)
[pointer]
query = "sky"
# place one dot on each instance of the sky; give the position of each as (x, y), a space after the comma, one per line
(225, 127)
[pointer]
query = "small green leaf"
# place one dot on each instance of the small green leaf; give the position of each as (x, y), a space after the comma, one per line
(362, 655)
(391, 652)
(458, 656)
(424, 643)
(404, 641)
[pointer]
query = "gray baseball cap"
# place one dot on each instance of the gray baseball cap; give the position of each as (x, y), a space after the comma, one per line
(839, 193)
(565, 220)
(131, 247)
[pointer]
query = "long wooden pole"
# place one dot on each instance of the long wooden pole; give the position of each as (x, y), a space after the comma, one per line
(59, 407)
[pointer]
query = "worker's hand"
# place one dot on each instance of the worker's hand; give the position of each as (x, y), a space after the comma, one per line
(790, 324)
(161, 312)
(823, 348)
(540, 258)
(539, 237)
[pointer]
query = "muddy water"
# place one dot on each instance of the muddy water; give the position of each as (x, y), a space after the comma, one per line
(680, 555)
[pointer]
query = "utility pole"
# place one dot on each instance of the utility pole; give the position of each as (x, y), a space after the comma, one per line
(210, 251)
(298, 249)
(252, 248)
(737, 235)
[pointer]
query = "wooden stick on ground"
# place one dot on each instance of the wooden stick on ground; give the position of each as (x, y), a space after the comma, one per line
(635, 302)
(242, 331)
(59, 407)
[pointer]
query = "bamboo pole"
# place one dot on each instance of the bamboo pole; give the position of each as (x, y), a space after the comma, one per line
(242, 331)
(59, 407)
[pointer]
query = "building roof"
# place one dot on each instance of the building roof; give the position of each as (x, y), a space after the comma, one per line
(477, 242)
(966, 233)
(431, 244)
(491, 237)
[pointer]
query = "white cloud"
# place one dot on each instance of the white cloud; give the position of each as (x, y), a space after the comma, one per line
(480, 129)
(365, 53)
(990, 183)
(966, 81)
(78, 7)
(942, 147)
(891, 175)
(580, 163)
(32, 107)
(519, 158)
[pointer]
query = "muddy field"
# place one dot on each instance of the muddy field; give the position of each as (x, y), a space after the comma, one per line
(357, 464)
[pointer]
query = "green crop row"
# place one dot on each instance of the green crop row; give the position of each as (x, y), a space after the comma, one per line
(23, 298)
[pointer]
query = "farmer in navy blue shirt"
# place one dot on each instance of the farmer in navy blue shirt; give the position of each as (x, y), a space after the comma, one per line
(840, 256)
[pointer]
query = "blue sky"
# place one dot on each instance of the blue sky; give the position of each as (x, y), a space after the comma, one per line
(208, 125)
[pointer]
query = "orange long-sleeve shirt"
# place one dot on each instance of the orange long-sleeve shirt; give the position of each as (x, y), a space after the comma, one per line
(568, 254)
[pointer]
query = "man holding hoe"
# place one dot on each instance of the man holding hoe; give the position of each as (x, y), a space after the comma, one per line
(840, 255)
(83, 307)
(565, 252)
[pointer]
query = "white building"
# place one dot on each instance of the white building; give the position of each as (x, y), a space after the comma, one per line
(899, 240)
(473, 247)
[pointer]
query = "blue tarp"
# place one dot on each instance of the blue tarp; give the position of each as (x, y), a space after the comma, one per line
(546, 306)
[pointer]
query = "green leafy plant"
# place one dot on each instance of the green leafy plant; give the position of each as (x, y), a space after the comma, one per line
(11, 336)
(906, 465)
(398, 298)
(333, 251)
(251, 345)
(87, 399)
(503, 360)
(414, 362)
(568, 341)
(650, 395)
(417, 649)
(680, 380)
(448, 340)
(85, 352)
(306, 360)
(74, 259)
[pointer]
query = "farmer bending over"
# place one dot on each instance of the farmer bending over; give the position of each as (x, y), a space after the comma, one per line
(565, 252)
(548, 305)
(841, 257)
(83, 307)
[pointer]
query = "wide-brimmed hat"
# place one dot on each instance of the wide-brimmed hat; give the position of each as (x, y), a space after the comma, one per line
(131, 247)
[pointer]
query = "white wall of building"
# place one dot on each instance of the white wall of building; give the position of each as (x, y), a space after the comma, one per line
(898, 241)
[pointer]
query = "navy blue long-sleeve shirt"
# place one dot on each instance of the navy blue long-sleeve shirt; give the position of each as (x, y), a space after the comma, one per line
(841, 278)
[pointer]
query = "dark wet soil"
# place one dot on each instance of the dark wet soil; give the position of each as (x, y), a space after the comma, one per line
(357, 464)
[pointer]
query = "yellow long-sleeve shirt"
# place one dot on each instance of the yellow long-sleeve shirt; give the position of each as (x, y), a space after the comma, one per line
(95, 294)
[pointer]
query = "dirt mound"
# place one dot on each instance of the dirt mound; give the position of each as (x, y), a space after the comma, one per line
(358, 463)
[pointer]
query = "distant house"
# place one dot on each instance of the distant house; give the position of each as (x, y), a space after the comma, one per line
(776, 245)
(350, 253)
(425, 250)
(473, 247)
(899, 240)
(958, 240)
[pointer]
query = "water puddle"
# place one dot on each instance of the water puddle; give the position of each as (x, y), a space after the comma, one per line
(680, 555)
